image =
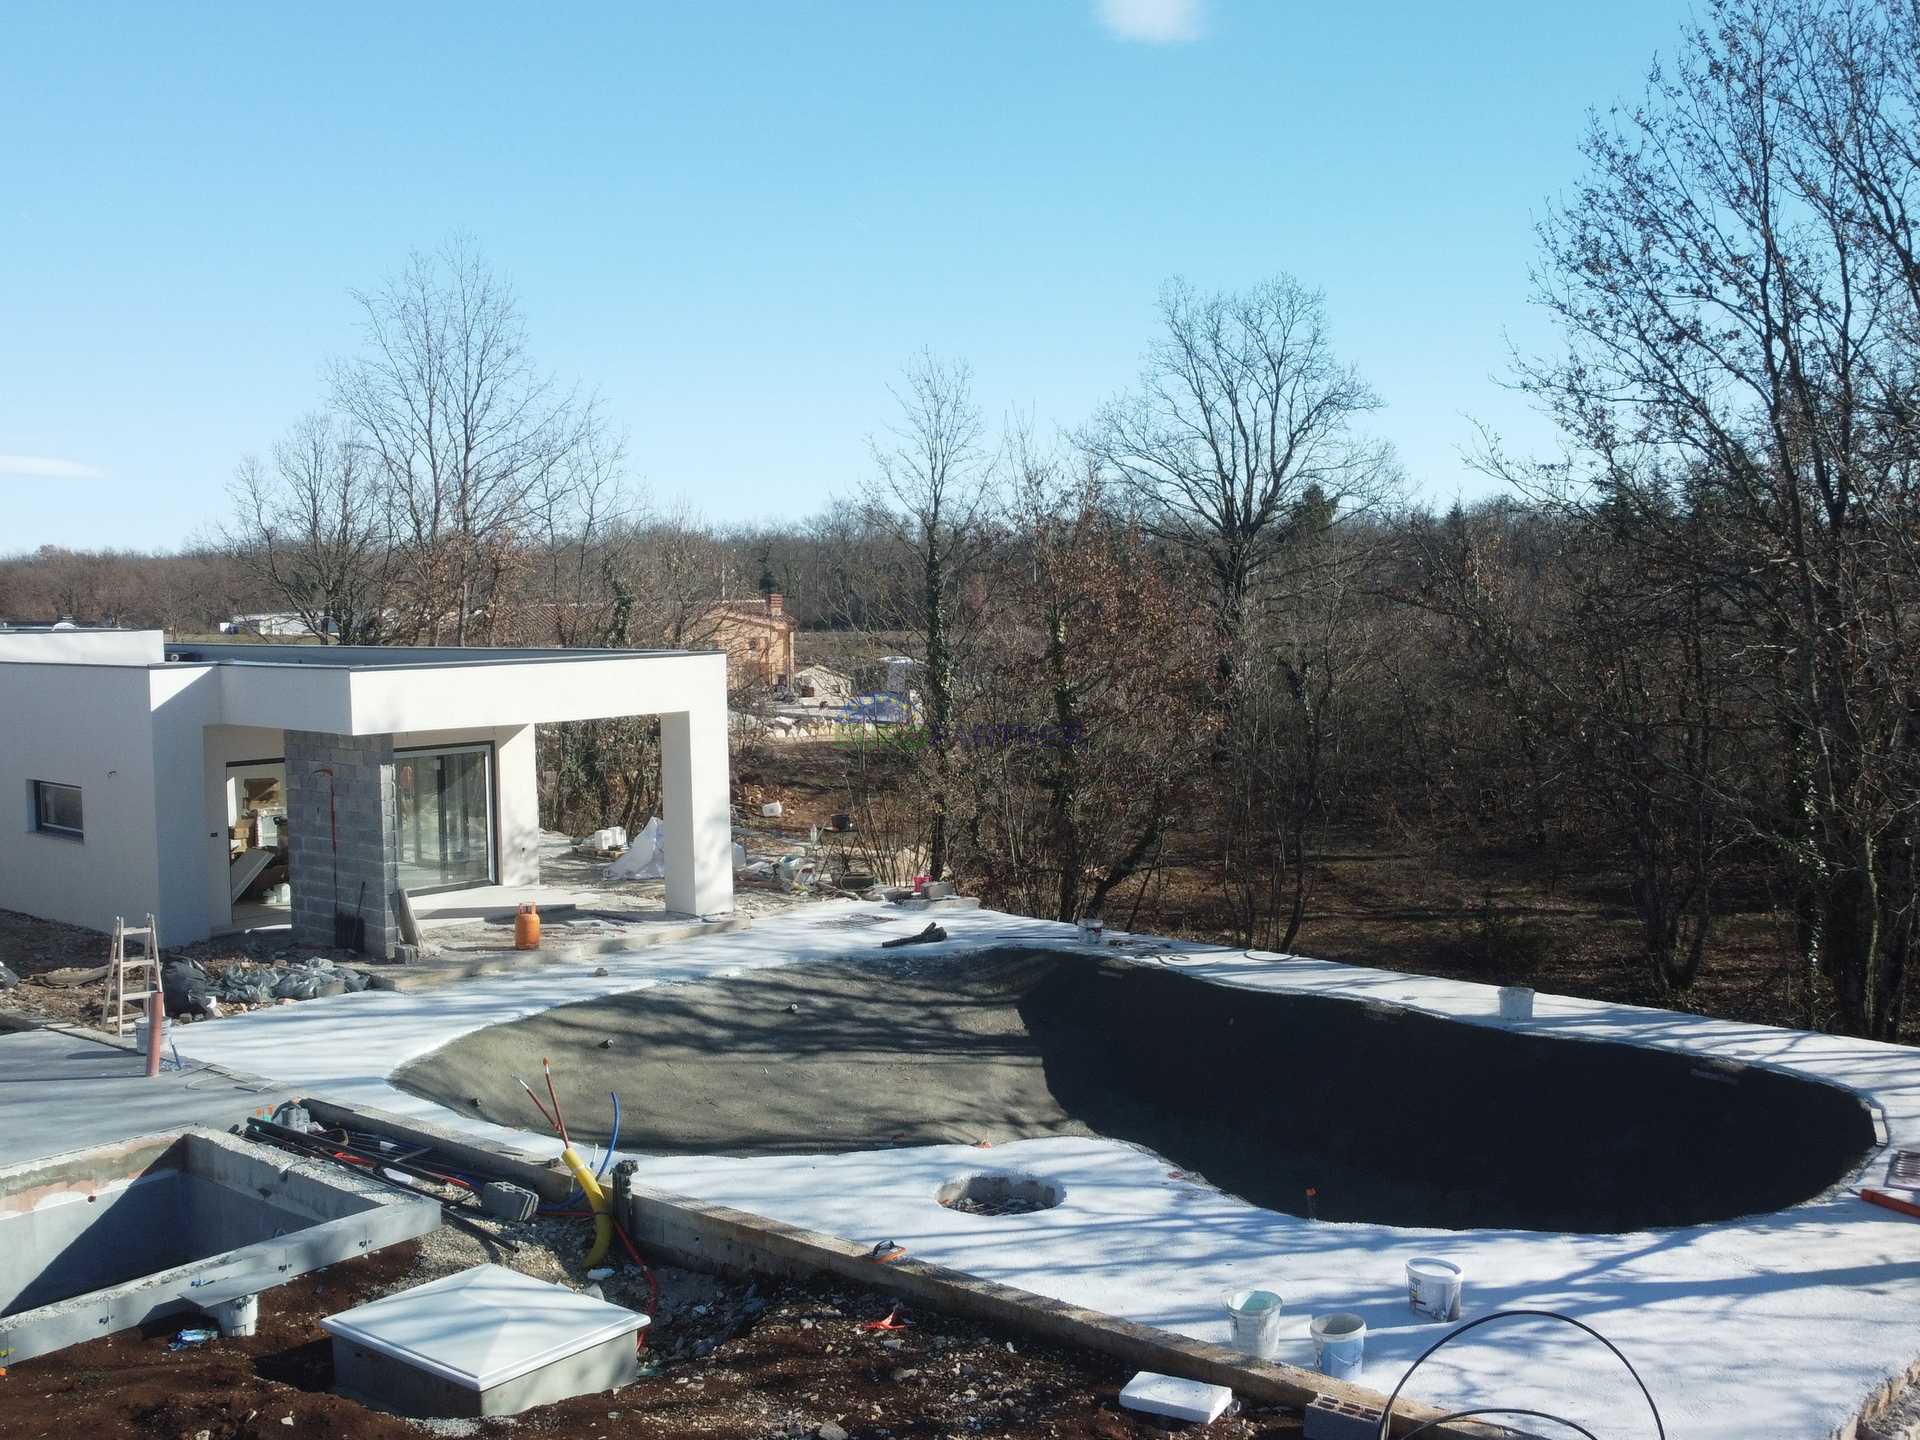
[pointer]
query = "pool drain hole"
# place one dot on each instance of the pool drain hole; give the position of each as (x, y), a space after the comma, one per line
(999, 1194)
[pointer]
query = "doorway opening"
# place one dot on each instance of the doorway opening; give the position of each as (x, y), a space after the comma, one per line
(257, 842)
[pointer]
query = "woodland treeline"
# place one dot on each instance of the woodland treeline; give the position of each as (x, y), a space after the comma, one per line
(1680, 653)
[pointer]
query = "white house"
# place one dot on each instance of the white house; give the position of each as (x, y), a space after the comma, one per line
(186, 780)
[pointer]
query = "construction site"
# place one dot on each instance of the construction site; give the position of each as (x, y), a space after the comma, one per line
(686, 1132)
(1116, 720)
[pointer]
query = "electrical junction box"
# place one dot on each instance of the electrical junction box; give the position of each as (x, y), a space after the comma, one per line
(488, 1341)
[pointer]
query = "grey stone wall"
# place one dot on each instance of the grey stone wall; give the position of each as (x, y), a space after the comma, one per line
(342, 845)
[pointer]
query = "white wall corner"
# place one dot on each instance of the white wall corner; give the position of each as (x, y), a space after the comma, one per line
(517, 796)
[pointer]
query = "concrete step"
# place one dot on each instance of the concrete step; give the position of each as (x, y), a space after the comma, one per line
(448, 968)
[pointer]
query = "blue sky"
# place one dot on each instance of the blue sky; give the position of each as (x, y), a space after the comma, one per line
(737, 221)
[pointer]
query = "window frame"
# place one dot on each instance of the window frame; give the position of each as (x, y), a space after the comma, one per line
(491, 751)
(42, 825)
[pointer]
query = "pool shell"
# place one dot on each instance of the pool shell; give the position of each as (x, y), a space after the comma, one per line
(1393, 1117)
(105, 1239)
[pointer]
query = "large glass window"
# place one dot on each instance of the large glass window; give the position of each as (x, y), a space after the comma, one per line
(56, 809)
(445, 817)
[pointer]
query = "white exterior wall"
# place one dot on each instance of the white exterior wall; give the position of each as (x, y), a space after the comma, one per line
(91, 726)
(517, 792)
(84, 647)
(183, 701)
(148, 744)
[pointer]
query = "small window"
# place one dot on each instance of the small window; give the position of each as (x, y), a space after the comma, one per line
(56, 809)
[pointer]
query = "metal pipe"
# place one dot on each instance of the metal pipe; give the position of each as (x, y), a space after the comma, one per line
(156, 1017)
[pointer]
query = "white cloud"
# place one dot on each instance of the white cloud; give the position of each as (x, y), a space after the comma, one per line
(49, 468)
(1159, 22)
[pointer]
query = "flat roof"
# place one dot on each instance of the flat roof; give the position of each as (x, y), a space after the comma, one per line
(377, 657)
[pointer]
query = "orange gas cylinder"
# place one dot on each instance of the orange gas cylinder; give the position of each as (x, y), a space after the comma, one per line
(526, 928)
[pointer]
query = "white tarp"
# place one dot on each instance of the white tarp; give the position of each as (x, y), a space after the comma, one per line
(645, 859)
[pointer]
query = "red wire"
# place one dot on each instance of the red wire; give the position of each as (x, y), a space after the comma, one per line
(536, 1101)
(652, 1284)
(558, 1119)
(620, 1230)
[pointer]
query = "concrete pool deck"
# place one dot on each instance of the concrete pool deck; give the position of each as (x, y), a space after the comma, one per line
(1775, 1325)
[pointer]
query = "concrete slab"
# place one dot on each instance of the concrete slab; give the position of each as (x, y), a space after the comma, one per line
(1786, 1324)
(466, 953)
(60, 1091)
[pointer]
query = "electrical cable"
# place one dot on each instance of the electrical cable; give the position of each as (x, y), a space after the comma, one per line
(264, 1130)
(536, 1100)
(607, 1159)
(652, 1284)
(1386, 1415)
(559, 1120)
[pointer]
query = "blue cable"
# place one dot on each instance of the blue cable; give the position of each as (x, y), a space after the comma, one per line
(615, 1140)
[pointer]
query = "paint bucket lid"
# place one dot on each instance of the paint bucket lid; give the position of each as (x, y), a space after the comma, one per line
(1428, 1268)
(1252, 1302)
(1341, 1325)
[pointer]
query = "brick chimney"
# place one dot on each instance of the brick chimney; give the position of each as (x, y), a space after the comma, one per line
(774, 602)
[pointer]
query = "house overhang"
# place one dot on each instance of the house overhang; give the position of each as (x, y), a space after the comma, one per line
(501, 688)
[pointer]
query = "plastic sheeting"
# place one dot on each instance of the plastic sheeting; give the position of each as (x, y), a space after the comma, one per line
(645, 859)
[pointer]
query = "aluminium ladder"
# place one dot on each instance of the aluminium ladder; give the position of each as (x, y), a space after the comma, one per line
(130, 980)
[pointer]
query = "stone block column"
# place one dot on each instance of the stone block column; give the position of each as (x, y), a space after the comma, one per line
(343, 845)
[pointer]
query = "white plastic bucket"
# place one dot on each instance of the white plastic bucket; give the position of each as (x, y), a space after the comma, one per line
(1255, 1318)
(140, 1034)
(1339, 1344)
(1433, 1288)
(1516, 1002)
(1091, 929)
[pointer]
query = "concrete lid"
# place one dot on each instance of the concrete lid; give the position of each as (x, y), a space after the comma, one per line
(484, 1326)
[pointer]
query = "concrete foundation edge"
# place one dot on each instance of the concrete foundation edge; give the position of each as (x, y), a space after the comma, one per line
(388, 1219)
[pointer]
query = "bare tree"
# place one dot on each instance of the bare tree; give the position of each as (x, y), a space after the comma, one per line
(463, 427)
(581, 510)
(312, 528)
(1239, 433)
(1084, 680)
(934, 488)
(1736, 281)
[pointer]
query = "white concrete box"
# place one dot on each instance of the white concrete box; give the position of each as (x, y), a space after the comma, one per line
(488, 1341)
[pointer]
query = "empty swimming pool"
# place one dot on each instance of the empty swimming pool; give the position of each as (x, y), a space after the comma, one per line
(1391, 1116)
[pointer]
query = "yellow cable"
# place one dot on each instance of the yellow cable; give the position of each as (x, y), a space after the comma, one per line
(597, 1198)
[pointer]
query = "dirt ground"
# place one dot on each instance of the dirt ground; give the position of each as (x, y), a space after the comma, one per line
(33, 948)
(724, 1361)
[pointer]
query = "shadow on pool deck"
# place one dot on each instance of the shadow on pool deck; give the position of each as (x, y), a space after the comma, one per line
(1395, 1118)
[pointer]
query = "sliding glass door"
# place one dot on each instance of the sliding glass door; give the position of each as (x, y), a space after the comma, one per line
(445, 801)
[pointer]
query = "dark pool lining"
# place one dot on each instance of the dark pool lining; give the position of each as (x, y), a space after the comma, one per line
(1400, 1118)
